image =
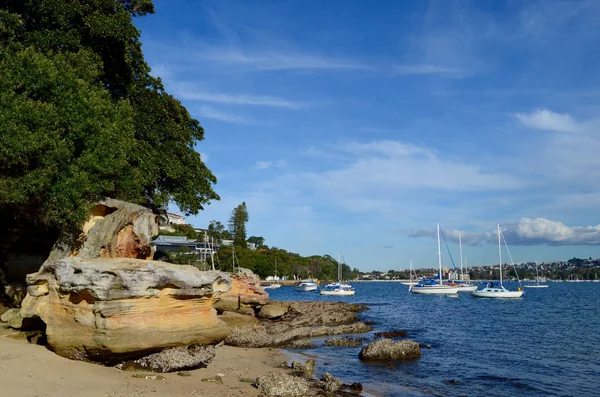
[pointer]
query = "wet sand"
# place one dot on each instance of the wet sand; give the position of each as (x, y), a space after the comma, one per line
(30, 370)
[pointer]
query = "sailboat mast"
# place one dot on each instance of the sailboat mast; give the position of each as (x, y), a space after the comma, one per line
(537, 276)
(500, 254)
(410, 271)
(462, 275)
(439, 252)
(339, 278)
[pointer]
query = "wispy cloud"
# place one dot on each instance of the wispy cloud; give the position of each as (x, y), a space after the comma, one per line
(431, 70)
(526, 231)
(545, 119)
(284, 60)
(211, 113)
(237, 99)
(263, 165)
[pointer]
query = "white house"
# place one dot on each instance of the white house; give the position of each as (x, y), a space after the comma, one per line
(175, 219)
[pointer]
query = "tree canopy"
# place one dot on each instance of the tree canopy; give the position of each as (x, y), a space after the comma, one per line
(237, 224)
(81, 117)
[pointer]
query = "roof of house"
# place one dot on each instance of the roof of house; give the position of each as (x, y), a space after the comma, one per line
(173, 240)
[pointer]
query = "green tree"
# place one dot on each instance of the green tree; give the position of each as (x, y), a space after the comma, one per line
(217, 231)
(258, 241)
(81, 118)
(237, 224)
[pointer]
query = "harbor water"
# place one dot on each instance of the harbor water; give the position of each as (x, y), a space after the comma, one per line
(544, 344)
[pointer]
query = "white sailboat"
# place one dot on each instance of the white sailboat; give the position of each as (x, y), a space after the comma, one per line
(492, 290)
(462, 285)
(410, 275)
(537, 278)
(429, 286)
(339, 288)
(274, 284)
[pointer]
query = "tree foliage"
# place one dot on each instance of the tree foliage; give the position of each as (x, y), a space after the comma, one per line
(237, 224)
(81, 118)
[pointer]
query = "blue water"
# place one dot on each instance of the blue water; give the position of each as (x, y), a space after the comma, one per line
(545, 344)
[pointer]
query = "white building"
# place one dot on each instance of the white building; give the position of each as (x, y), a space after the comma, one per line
(175, 219)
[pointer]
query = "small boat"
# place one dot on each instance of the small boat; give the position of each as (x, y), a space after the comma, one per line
(306, 286)
(430, 286)
(410, 275)
(537, 277)
(342, 290)
(492, 290)
(274, 284)
(463, 286)
(338, 288)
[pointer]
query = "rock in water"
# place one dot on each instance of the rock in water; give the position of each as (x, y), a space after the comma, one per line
(174, 359)
(307, 369)
(101, 309)
(387, 349)
(282, 385)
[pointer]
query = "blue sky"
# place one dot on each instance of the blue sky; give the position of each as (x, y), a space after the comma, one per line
(355, 126)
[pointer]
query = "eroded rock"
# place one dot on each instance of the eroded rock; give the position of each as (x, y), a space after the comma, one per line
(306, 369)
(98, 309)
(387, 349)
(245, 294)
(273, 310)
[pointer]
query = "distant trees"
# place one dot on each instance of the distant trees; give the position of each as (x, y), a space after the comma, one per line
(258, 241)
(217, 231)
(237, 224)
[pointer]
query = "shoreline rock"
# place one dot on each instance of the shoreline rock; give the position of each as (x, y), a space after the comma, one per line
(389, 350)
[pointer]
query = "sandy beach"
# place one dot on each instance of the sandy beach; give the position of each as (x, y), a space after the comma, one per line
(31, 370)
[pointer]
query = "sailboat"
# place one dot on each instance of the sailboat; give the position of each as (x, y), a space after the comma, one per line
(410, 274)
(274, 284)
(492, 290)
(537, 278)
(462, 285)
(430, 286)
(339, 288)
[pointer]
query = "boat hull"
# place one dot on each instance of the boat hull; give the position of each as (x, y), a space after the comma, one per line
(497, 294)
(535, 286)
(337, 293)
(467, 288)
(434, 290)
(306, 288)
(272, 286)
(407, 283)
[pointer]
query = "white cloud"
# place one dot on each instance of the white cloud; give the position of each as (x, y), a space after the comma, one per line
(545, 119)
(284, 60)
(424, 69)
(263, 165)
(526, 231)
(237, 99)
(211, 113)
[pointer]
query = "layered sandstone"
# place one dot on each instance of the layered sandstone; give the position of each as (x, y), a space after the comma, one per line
(245, 295)
(106, 308)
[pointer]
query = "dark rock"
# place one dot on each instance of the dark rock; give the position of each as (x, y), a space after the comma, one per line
(424, 346)
(370, 322)
(184, 374)
(173, 359)
(353, 387)
(387, 349)
(390, 366)
(391, 334)
(282, 385)
(451, 382)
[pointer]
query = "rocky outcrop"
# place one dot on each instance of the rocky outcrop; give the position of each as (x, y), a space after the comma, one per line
(115, 229)
(331, 383)
(104, 309)
(282, 385)
(306, 369)
(273, 310)
(388, 350)
(245, 294)
(13, 318)
(284, 336)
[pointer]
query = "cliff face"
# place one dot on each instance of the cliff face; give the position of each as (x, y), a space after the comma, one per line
(96, 308)
(245, 294)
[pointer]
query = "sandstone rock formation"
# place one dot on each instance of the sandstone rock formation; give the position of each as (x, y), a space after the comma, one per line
(115, 229)
(273, 310)
(387, 349)
(245, 294)
(103, 309)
